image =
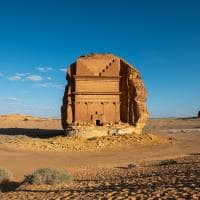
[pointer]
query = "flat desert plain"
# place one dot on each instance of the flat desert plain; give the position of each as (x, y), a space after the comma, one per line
(114, 167)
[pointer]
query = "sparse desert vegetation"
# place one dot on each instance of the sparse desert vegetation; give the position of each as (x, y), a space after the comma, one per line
(147, 181)
(163, 164)
(167, 162)
(48, 176)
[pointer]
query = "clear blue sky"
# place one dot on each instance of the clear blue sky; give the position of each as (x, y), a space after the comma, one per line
(39, 38)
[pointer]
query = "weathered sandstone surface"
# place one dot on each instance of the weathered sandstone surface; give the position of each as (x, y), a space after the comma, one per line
(104, 96)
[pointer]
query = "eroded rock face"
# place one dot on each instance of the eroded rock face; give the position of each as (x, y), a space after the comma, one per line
(103, 90)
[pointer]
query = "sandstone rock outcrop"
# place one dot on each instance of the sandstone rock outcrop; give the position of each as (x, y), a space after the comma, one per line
(103, 90)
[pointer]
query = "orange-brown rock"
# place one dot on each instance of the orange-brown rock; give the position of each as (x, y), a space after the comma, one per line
(104, 90)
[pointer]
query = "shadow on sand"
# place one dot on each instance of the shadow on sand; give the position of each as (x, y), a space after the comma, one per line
(195, 154)
(9, 186)
(34, 133)
(186, 118)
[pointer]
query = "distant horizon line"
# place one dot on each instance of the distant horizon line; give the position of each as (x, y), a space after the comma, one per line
(56, 117)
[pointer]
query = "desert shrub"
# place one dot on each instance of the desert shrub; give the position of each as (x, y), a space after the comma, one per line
(131, 165)
(167, 162)
(5, 175)
(92, 138)
(49, 176)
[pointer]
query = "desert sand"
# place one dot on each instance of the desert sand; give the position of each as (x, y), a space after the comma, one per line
(117, 167)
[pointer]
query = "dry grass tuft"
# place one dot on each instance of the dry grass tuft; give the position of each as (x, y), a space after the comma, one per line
(48, 176)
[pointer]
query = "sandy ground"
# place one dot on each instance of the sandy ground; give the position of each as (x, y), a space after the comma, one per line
(100, 165)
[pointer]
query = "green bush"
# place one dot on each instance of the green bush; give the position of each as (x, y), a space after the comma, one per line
(5, 175)
(48, 176)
